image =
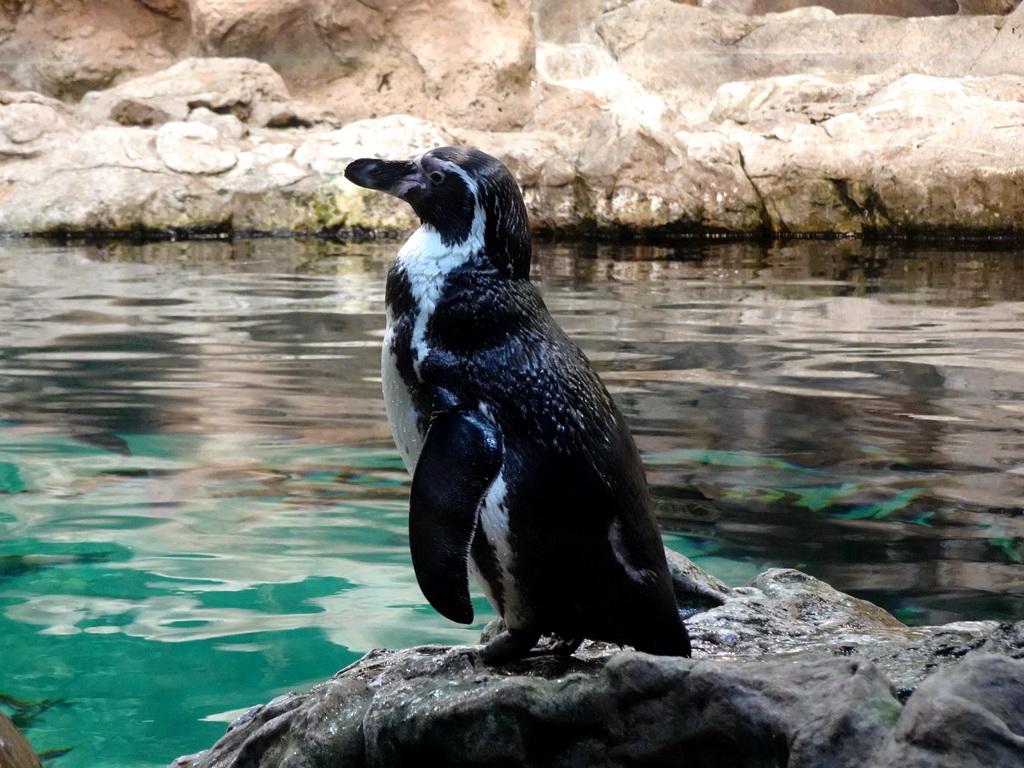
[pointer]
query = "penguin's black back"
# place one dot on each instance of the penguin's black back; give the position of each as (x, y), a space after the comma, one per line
(579, 509)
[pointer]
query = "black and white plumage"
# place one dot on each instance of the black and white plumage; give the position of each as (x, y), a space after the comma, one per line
(524, 471)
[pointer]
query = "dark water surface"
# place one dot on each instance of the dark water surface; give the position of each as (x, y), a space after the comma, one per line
(200, 506)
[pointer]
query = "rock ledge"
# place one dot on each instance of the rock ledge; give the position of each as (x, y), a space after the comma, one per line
(787, 671)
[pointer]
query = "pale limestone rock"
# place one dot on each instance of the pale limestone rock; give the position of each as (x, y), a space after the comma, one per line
(986, 7)
(922, 154)
(285, 174)
(456, 61)
(544, 167)
(272, 151)
(244, 24)
(235, 86)
(281, 33)
(175, 9)
(643, 115)
(66, 49)
(787, 98)
(397, 136)
(183, 176)
(406, 54)
(227, 126)
(904, 8)
(25, 120)
(345, 204)
(684, 54)
(884, 7)
(193, 148)
(1002, 55)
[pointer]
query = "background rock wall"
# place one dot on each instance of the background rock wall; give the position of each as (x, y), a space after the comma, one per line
(468, 58)
(652, 115)
(461, 59)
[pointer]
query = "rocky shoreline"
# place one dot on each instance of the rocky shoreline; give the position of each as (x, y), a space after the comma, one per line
(786, 671)
(650, 118)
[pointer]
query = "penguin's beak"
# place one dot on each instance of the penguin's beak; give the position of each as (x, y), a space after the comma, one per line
(400, 178)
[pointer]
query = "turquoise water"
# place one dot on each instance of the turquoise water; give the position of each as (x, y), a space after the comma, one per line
(200, 507)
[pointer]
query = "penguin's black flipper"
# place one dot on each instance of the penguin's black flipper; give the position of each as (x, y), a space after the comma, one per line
(461, 456)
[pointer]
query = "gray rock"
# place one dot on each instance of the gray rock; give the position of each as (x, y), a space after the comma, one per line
(969, 714)
(431, 705)
(695, 588)
(784, 612)
(779, 678)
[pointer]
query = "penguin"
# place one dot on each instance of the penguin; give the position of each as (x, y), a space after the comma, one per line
(524, 472)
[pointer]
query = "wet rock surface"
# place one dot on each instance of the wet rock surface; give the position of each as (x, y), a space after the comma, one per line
(651, 116)
(784, 613)
(786, 671)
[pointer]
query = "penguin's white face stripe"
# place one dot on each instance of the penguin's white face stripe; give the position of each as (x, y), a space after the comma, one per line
(460, 171)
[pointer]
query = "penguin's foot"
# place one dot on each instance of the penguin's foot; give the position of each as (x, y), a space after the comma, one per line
(553, 645)
(509, 645)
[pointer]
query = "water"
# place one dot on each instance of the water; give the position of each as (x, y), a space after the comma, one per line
(200, 507)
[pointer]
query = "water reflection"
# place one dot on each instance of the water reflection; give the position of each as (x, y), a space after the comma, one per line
(894, 374)
(195, 465)
(855, 411)
(885, 375)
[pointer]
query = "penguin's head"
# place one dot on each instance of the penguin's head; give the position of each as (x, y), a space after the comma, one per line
(462, 193)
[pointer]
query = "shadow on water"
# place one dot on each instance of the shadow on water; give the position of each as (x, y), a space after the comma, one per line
(200, 502)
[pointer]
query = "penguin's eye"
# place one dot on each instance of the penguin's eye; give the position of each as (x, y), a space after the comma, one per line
(436, 178)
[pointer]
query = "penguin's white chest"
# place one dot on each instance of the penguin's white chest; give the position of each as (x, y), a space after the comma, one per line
(425, 262)
(398, 404)
(405, 421)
